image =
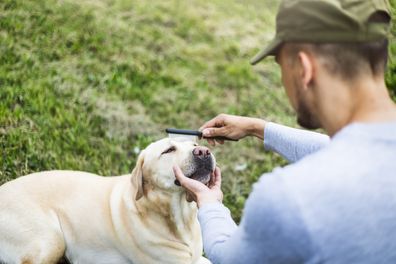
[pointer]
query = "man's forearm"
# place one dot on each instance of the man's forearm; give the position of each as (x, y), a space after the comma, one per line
(291, 143)
(217, 227)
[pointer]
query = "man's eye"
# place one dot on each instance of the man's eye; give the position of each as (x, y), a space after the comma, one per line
(169, 150)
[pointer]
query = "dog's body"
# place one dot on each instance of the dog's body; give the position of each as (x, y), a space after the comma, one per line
(92, 219)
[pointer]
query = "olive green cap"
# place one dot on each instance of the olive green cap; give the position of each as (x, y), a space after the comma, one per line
(327, 21)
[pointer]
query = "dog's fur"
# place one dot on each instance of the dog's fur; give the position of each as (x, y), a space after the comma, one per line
(138, 218)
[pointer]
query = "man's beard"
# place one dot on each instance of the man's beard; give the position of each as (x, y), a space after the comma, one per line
(305, 116)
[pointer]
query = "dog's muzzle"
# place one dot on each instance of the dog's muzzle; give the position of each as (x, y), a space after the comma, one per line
(203, 165)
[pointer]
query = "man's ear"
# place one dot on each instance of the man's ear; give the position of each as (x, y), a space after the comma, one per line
(137, 177)
(307, 68)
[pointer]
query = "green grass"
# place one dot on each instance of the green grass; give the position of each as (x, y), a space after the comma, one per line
(83, 83)
(391, 74)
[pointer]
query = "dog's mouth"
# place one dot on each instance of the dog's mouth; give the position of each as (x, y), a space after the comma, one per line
(200, 170)
(202, 176)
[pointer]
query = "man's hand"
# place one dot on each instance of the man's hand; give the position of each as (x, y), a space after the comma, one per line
(231, 126)
(200, 192)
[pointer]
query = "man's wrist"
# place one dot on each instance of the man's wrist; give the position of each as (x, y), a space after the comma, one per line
(201, 201)
(256, 128)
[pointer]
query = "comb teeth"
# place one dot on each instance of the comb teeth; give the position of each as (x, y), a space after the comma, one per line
(179, 137)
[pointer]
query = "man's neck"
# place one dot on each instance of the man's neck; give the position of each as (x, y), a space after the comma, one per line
(366, 102)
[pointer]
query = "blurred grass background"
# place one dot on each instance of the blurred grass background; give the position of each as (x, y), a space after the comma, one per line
(86, 84)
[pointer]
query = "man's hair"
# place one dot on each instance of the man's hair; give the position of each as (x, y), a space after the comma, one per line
(347, 60)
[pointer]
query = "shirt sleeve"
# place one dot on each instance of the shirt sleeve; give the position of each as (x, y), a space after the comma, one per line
(271, 230)
(291, 143)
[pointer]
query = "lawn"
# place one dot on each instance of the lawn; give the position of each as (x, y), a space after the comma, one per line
(86, 84)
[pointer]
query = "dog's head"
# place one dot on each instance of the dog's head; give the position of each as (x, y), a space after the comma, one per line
(155, 163)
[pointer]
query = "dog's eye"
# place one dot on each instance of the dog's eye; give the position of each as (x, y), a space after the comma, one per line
(169, 150)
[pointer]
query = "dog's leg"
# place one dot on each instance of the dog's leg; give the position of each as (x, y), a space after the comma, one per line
(42, 249)
(29, 236)
(46, 251)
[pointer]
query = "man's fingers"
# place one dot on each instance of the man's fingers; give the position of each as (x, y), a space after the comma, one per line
(210, 123)
(220, 141)
(214, 132)
(213, 128)
(218, 121)
(217, 177)
(211, 142)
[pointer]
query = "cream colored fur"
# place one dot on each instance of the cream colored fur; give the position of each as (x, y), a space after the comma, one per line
(138, 218)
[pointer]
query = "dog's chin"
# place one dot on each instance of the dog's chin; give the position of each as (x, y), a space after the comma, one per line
(203, 177)
(202, 173)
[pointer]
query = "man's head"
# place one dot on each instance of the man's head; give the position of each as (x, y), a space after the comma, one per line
(344, 62)
(344, 39)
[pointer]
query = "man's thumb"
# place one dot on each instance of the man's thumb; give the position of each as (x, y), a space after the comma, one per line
(189, 184)
(183, 180)
(178, 173)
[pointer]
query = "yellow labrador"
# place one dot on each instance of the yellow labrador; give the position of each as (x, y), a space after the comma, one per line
(138, 218)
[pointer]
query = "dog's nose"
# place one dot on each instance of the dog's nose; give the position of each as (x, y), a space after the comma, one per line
(201, 152)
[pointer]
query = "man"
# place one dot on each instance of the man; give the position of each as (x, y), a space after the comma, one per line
(337, 202)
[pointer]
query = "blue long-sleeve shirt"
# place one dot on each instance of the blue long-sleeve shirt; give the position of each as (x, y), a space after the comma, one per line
(335, 204)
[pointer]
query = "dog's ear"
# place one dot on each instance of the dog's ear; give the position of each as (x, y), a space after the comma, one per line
(137, 177)
(189, 197)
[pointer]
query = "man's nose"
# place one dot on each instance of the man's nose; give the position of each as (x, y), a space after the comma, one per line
(201, 152)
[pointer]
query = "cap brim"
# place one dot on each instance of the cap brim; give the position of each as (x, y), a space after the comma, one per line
(271, 49)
